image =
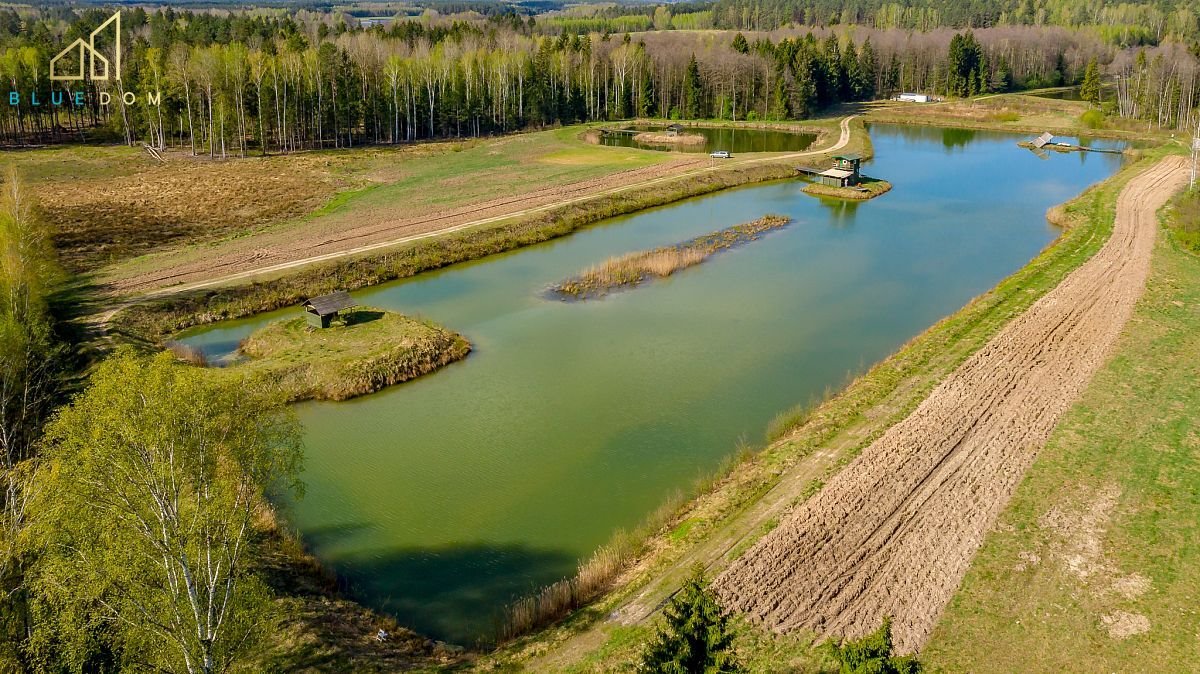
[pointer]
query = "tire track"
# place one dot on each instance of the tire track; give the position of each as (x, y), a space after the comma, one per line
(895, 531)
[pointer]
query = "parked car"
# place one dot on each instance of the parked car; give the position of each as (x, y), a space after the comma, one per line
(720, 154)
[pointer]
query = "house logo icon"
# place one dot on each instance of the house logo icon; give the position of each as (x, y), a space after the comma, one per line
(90, 55)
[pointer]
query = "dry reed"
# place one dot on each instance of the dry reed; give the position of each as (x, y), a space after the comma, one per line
(634, 268)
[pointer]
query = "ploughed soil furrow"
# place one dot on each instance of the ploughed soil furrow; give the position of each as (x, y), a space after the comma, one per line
(894, 532)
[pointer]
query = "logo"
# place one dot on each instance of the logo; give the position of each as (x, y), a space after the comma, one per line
(90, 54)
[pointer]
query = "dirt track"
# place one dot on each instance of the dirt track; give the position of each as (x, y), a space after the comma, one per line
(894, 532)
(285, 250)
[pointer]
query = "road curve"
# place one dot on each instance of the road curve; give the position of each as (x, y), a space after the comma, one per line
(843, 140)
(895, 531)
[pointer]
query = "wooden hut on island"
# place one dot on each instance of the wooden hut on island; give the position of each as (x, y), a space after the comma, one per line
(320, 311)
(844, 173)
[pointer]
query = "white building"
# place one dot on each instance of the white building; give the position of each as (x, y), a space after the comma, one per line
(913, 98)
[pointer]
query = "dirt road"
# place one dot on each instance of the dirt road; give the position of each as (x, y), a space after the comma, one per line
(281, 251)
(894, 532)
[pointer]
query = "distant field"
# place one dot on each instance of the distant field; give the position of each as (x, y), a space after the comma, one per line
(1098, 554)
(111, 204)
(1020, 113)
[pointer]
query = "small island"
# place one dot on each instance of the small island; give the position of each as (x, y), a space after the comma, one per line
(844, 180)
(634, 268)
(669, 138)
(867, 188)
(362, 351)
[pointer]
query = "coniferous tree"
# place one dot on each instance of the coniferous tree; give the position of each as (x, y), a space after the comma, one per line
(1089, 90)
(694, 637)
(693, 91)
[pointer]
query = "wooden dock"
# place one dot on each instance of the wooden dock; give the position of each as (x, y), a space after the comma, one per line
(1044, 142)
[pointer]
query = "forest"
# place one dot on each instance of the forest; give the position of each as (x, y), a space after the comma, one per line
(233, 83)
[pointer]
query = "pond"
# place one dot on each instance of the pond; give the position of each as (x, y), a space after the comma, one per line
(730, 139)
(441, 499)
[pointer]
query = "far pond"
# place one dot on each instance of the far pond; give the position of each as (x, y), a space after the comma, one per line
(442, 499)
(734, 140)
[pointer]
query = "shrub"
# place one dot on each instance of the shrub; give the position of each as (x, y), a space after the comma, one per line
(872, 654)
(1092, 119)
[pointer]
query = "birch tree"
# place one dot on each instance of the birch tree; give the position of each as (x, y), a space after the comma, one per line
(154, 477)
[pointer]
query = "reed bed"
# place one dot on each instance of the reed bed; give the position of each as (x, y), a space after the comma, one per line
(635, 268)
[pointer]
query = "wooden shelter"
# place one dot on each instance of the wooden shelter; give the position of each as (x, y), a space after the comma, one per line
(674, 129)
(320, 311)
(844, 173)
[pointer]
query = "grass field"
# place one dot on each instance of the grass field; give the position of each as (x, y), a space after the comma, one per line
(112, 204)
(1095, 565)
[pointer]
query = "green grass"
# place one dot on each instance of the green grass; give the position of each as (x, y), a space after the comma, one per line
(1185, 220)
(1117, 487)
(367, 351)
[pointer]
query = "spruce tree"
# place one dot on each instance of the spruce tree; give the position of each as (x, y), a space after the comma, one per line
(1089, 90)
(694, 636)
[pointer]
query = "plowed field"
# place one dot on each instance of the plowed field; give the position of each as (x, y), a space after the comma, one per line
(894, 532)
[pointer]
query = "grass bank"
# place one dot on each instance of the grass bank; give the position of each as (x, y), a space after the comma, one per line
(818, 443)
(635, 268)
(156, 319)
(366, 351)
(869, 188)
(1096, 560)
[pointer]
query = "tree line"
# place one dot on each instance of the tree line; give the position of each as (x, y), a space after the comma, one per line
(236, 83)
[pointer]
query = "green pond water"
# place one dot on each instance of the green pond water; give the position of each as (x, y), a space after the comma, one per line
(442, 499)
(730, 139)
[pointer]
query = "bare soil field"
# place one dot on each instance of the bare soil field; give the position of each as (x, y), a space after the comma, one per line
(894, 532)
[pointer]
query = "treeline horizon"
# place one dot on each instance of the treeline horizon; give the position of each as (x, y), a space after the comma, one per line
(241, 82)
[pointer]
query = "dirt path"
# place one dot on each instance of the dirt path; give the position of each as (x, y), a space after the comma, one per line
(282, 251)
(894, 532)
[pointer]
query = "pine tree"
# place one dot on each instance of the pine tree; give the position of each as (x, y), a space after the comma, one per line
(693, 91)
(694, 637)
(868, 72)
(740, 45)
(1089, 90)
